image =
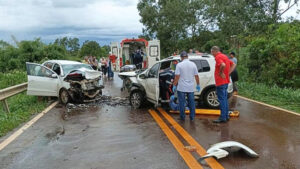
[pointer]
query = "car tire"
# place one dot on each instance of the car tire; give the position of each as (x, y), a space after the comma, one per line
(64, 97)
(210, 98)
(136, 99)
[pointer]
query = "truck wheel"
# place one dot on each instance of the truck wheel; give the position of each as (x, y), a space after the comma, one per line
(210, 99)
(64, 97)
(136, 99)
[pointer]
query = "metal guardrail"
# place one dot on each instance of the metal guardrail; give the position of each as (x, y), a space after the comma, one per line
(10, 91)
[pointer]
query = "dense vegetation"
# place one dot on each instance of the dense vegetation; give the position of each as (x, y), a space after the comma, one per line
(14, 56)
(267, 47)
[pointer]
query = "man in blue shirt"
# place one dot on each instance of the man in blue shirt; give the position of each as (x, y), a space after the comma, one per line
(185, 73)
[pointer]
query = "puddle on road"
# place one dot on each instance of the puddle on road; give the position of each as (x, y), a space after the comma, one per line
(59, 131)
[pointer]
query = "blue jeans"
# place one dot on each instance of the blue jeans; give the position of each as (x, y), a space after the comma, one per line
(182, 102)
(222, 97)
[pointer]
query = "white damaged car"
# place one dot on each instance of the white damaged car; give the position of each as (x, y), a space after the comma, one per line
(67, 80)
(144, 85)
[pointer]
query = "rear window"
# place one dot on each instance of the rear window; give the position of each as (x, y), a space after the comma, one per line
(202, 65)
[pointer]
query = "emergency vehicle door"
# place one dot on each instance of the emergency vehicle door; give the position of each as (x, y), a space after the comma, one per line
(114, 48)
(153, 53)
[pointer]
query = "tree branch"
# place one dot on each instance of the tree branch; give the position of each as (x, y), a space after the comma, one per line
(287, 9)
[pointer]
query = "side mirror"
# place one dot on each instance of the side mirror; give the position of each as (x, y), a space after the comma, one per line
(157, 59)
(142, 76)
(54, 75)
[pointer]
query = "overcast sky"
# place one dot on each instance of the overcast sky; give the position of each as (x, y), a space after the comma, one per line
(100, 20)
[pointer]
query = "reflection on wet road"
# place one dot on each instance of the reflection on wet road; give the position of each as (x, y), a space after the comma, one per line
(110, 134)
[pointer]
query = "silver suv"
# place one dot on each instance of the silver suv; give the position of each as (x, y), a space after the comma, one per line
(145, 85)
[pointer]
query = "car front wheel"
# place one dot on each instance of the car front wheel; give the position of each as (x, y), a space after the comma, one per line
(136, 99)
(64, 96)
(211, 99)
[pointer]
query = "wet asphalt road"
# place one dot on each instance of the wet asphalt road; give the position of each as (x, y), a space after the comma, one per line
(109, 136)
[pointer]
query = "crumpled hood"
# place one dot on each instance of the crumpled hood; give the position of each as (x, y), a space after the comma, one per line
(128, 74)
(87, 73)
(91, 74)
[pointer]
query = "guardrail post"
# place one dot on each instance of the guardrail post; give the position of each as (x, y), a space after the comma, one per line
(5, 105)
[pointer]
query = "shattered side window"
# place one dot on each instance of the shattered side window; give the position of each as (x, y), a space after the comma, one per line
(165, 65)
(154, 70)
(38, 70)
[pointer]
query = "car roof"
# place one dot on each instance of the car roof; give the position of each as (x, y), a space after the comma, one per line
(64, 62)
(191, 56)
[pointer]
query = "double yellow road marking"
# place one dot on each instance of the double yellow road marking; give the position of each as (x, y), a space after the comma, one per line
(187, 156)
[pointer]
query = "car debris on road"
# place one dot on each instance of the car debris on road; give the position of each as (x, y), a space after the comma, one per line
(221, 150)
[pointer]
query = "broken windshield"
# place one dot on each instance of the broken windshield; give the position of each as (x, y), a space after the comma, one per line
(69, 67)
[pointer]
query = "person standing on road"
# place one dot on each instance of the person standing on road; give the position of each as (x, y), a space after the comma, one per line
(234, 74)
(185, 73)
(223, 68)
(103, 65)
(110, 73)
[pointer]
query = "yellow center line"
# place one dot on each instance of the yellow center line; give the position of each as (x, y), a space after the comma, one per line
(187, 156)
(200, 150)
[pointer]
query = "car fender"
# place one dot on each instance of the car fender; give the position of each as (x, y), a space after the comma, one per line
(136, 86)
(222, 149)
(206, 89)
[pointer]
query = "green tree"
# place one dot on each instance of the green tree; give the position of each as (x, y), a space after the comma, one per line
(165, 20)
(275, 57)
(71, 45)
(90, 48)
(104, 51)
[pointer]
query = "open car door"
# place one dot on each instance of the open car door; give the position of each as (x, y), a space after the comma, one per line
(152, 84)
(41, 80)
(153, 53)
(114, 47)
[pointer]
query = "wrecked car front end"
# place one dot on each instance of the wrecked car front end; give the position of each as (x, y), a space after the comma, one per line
(129, 78)
(85, 85)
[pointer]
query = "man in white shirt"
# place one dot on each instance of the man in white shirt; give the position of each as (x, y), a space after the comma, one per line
(185, 73)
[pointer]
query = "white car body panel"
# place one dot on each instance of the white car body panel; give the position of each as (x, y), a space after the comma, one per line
(127, 74)
(220, 150)
(42, 86)
(133, 79)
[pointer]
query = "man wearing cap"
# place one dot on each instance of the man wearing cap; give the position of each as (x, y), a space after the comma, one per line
(185, 73)
(223, 68)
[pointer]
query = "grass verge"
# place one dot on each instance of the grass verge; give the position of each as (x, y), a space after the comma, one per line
(22, 107)
(12, 78)
(281, 97)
